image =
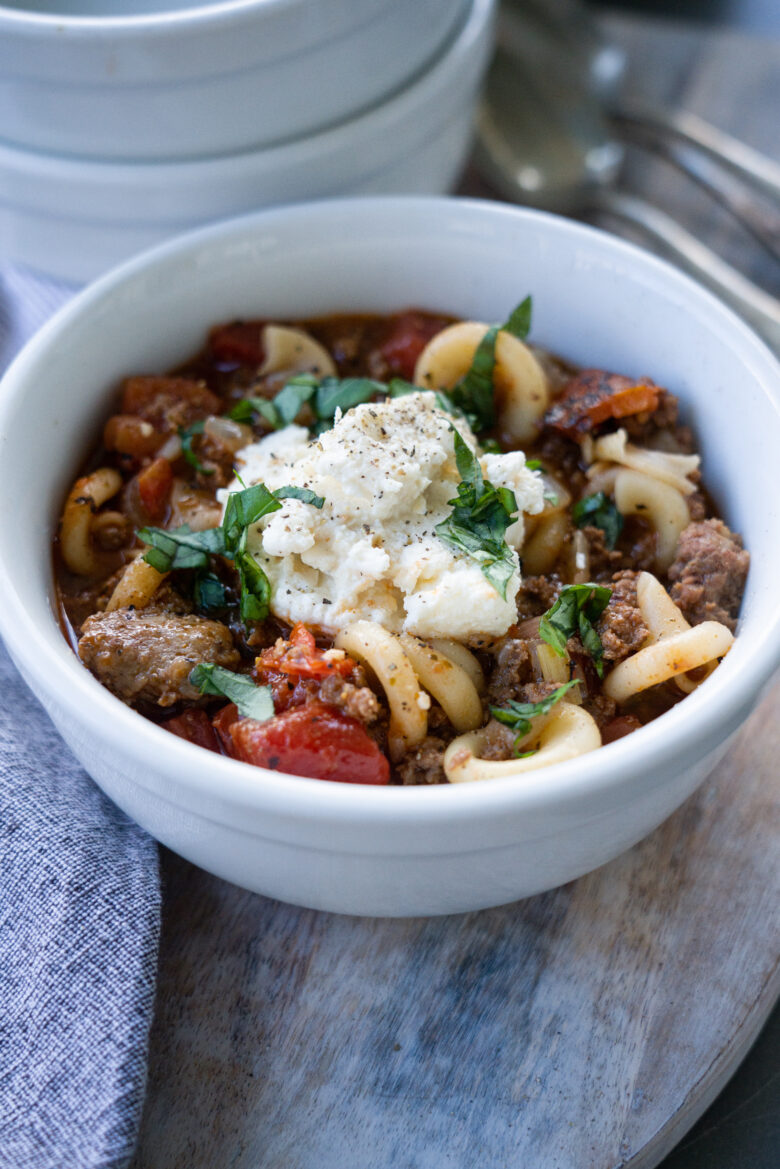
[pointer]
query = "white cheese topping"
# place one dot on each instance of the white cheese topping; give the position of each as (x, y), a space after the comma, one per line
(386, 472)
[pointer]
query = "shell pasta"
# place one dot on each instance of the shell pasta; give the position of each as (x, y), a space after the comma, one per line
(399, 549)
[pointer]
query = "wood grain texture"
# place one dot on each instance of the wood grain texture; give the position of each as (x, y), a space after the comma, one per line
(583, 1029)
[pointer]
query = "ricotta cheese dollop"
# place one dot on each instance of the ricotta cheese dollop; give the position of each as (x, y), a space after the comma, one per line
(386, 472)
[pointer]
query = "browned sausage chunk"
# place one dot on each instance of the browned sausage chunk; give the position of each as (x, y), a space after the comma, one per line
(146, 655)
(621, 627)
(709, 573)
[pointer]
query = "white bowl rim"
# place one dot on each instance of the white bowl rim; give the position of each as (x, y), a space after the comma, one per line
(164, 23)
(719, 703)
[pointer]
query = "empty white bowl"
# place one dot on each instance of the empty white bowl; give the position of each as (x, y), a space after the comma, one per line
(393, 850)
(74, 218)
(165, 80)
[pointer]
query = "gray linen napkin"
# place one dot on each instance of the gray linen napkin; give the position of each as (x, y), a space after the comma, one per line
(79, 915)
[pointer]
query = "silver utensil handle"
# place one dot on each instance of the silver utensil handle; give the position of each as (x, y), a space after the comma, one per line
(758, 308)
(754, 168)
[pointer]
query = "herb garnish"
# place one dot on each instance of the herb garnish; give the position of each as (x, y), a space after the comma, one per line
(518, 715)
(183, 548)
(209, 593)
(186, 434)
(324, 397)
(600, 511)
(473, 394)
(577, 609)
(480, 516)
(252, 701)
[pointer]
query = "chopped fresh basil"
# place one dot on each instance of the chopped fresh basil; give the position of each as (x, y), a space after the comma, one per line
(480, 516)
(518, 715)
(577, 609)
(473, 394)
(293, 396)
(534, 465)
(252, 701)
(186, 434)
(343, 393)
(244, 508)
(600, 511)
(245, 410)
(209, 593)
(181, 547)
(302, 493)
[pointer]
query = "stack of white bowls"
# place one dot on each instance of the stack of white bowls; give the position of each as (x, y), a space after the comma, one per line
(123, 122)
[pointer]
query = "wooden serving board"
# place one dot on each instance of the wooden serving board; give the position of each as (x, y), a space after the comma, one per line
(586, 1028)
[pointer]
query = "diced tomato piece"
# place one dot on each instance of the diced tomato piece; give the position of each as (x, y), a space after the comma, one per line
(194, 725)
(238, 344)
(595, 396)
(409, 333)
(316, 740)
(154, 487)
(299, 657)
(222, 721)
(619, 727)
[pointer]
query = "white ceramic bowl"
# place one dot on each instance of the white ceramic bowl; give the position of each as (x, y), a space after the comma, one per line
(73, 219)
(164, 79)
(597, 300)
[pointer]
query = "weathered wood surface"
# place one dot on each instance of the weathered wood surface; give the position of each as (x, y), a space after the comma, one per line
(582, 1029)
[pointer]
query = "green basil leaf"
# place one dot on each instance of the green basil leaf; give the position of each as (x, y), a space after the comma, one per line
(302, 493)
(599, 511)
(343, 393)
(294, 396)
(209, 593)
(252, 701)
(474, 393)
(519, 323)
(255, 588)
(534, 465)
(181, 547)
(479, 519)
(245, 410)
(244, 508)
(577, 609)
(186, 434)
(518, 715)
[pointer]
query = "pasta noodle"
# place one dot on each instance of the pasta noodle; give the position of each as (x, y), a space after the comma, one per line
(449, 684)
(294, 351)
(567, 732)
(521, 386)
(382, 652)
(457, 653)
(669, 468)
(662, 505)
(543, 546)
(674, 649)
(136, 587)
(86, 496)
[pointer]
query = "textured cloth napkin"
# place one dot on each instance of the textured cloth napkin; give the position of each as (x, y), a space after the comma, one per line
(79, 915)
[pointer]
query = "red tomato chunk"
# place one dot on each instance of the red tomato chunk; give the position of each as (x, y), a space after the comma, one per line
(410, 333)
(316, 740)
